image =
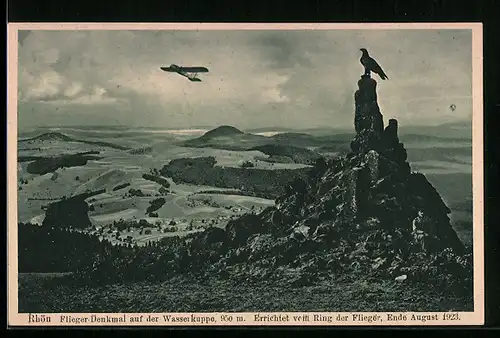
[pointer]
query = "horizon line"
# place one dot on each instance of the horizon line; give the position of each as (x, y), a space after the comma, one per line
(463, 121)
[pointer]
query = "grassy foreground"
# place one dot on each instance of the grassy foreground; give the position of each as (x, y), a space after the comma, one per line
(54, 293)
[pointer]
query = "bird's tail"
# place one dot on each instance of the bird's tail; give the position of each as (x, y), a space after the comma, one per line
(383, 76)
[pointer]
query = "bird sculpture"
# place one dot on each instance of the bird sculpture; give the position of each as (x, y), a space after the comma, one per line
(371, 65)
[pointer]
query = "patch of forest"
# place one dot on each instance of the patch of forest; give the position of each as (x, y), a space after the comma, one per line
(121, 186)
(157, 179)
(295, 154)
(44, 165)
(256, 182)
(47, 249)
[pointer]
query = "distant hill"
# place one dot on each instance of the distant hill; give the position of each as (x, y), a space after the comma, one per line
(227, 138)
(51, 136)
(56, 136)
(295, 139)
(318, 131)
(286, 147)
(409, 138)
(304, 148)
(283, 147)
(288, 135)
(456, 130)
(221, 131)
(332, 141)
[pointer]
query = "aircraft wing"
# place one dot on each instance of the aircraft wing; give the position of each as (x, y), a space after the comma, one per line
(194, 69)
(168, 69)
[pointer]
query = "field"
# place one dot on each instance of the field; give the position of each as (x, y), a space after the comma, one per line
(446, 161)
(49, 293)
(120, 167)
(122, 161)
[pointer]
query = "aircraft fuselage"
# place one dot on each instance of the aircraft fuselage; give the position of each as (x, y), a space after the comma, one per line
(186, 71)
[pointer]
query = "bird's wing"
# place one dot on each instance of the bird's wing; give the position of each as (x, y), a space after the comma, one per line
(375, 67)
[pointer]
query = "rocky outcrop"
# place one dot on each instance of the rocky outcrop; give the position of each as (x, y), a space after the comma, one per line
(362, 214)
(373, 184)
(364, 211)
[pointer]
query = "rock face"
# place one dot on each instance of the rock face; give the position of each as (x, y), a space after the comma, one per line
(372, 185)
(368, 121)
(71, 212)
(364, 211)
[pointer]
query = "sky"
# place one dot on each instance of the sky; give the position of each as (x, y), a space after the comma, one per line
(257, 79)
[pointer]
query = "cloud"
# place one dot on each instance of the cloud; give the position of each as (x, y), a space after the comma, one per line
(51, 73)
(51, 86)
(256, 78)
(22, 35)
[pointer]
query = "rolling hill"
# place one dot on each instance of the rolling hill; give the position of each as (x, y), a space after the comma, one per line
(55, 136)
(226, 138)
(221, 131)
(283, 147)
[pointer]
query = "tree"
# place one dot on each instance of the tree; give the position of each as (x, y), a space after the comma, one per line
(247, 164)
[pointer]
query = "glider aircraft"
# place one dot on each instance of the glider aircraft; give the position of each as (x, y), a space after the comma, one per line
(190, 72)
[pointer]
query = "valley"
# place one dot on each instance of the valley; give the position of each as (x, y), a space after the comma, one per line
(117, 170)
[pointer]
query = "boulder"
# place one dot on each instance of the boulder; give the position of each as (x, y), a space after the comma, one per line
(240, 229)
